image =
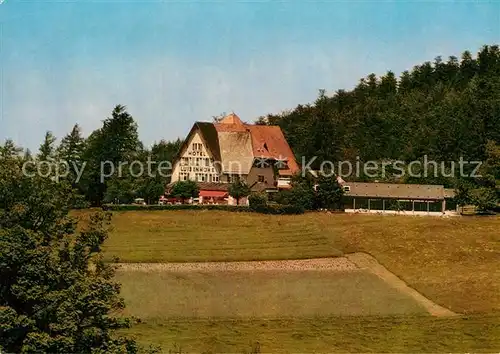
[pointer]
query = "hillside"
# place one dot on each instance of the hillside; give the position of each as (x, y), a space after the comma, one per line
(444, 109)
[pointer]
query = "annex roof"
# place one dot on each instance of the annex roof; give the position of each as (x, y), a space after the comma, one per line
(394, 190)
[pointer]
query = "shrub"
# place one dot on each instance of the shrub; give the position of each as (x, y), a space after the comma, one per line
(282, 197)
(260, 208)
(289, 209)
(257, 201)
(185, 190)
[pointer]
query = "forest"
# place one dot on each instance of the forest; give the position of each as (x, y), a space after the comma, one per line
(443, 111)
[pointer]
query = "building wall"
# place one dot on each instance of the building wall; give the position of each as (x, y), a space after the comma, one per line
(414, 213)
(195, 163)
(266, 172)
(393, 205)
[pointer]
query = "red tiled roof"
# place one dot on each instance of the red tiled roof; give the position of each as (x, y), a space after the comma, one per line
(230, 123)
(269, 142)
(231, 119)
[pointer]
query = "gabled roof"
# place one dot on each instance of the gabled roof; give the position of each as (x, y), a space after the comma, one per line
(208, 134)
(394, 190)
(268, 141)
(211, 138)
(232, 140)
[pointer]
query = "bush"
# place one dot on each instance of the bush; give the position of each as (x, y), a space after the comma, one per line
(257, 201)
(283, 197)
(289, 209)
(258, 208)
(259, 204)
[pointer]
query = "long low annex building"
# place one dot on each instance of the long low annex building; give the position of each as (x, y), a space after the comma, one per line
(416, 199)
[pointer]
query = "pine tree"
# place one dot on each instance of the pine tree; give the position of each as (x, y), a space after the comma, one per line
(47, 149)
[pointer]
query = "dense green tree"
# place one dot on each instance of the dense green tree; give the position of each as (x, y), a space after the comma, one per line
(491, 167)
(72, 146)
(70, 156)
(153, 183)
(302, 193)
(484, 198)
(47, 149)
(185, 190)
(120, 190)
(257, 201)
(9, 149)
(56, 293)
(116, 141)
(328, 193)
(442, 109)
(239, 189)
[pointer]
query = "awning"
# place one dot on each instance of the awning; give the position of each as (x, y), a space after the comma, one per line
(213, 194)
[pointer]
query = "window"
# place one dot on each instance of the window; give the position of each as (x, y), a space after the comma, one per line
(215, 178)
(261, 178)
(207, 162)
(232, 178)
(200, 177)
(347, 188)
(197, 146)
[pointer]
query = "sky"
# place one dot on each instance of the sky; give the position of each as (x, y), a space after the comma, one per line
(176, 62)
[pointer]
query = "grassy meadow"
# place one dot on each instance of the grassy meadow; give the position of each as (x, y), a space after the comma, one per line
(386, 334)
(455, 262)
(261, 294)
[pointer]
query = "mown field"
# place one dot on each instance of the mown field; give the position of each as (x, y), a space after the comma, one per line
(455, 262)
(261, 294)
(392, 334)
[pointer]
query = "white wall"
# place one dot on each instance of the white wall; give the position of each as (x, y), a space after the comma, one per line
(402, 212)
(188, 152)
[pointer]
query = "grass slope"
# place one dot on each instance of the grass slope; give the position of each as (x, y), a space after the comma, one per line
(455, 261)
(325, 334)
(182, 236)
(264, 294)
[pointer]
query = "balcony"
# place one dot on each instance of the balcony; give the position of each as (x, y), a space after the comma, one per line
(284, 182)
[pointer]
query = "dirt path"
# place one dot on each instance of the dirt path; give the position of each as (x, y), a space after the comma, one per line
(351, 262)
(365, 261)
(340, 264)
